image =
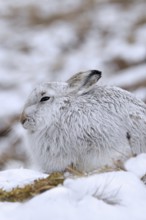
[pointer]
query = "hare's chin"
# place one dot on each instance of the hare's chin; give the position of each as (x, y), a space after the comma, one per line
(29, 125)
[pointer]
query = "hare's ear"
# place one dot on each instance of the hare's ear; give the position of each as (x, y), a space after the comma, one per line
(84, 80)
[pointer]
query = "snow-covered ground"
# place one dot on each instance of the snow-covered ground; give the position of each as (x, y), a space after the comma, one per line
(113, 195)
(51, 40)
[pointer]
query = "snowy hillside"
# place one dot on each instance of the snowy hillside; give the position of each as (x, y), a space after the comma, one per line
(50, 41)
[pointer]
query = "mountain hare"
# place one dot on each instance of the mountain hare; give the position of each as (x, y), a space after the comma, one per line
(80, 123)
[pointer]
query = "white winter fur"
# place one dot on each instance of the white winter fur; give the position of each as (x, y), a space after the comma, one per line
(83, 124)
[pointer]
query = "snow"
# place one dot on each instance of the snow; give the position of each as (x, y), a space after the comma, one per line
(137, 165)
(32, 53)
(128, 77)
(115, 195)
(18, 177)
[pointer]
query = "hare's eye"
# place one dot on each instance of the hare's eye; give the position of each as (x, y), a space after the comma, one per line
(45, 98)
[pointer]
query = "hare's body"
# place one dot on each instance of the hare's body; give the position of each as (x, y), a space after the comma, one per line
(88, 128)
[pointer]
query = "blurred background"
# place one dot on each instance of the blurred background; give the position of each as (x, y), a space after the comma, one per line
(50, 40)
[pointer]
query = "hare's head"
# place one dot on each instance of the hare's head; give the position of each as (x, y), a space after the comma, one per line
(46, 102)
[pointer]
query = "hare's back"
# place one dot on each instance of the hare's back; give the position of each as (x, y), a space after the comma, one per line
(107, 95)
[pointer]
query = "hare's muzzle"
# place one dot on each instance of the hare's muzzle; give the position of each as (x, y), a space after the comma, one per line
(23, 118)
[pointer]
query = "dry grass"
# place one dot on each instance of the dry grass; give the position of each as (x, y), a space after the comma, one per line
(20, 194)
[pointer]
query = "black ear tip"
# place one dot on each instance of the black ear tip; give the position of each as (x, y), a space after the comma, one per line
(96, 72)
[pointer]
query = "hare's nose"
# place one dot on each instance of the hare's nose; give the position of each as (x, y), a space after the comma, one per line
(23, 118)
